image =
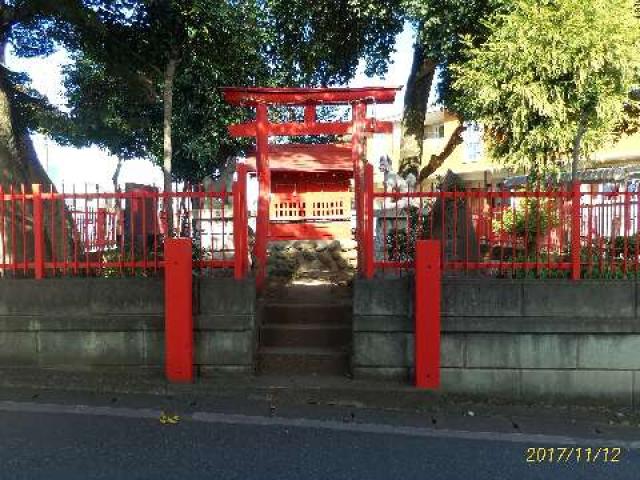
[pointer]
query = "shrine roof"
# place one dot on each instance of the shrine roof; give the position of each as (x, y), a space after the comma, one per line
(307, 158)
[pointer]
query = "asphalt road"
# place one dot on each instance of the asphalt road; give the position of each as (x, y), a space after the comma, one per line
(66, 441)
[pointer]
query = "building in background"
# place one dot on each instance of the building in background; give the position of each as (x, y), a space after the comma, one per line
(470, 160)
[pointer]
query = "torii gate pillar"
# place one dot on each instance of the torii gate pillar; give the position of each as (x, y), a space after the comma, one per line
(264, 194)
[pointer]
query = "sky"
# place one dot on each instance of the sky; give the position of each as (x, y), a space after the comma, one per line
(92, 166)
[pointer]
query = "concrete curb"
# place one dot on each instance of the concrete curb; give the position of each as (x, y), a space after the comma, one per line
(287, 390)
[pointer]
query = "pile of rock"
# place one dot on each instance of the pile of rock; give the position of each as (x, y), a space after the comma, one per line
(335, 259)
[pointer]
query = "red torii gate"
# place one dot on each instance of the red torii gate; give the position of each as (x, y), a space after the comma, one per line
(309, 98)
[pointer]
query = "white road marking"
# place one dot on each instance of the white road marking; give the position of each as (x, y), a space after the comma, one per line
(261, 421)
(32, 407)
(408, 430)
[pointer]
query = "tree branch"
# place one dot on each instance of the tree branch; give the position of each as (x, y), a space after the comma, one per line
(577, 141)
(415, 108)
(437, 160)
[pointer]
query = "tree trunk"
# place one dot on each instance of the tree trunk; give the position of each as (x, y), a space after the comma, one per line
(415, 109)
(20, 167)
(116, 175)
(115, 179)
(169, 77)
(577, 144)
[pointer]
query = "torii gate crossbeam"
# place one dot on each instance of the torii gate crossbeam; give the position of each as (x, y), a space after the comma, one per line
(309, 98)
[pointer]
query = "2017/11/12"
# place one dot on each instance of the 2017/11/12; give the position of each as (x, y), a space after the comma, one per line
(575, 454)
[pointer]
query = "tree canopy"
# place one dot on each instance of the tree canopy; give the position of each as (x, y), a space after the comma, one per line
(117, 83)
(28, 26)
(551, 83)
(321, 42)
(440, 27)
(549, 78)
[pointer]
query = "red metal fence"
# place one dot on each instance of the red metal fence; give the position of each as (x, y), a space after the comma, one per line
(49, 233)
(554, 232)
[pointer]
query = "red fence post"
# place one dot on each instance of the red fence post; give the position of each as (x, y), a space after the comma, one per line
(427, 313)
(178, 310)
(575, 231)
(38, 232)
(240, 234)
(367, 230)
(627, 224)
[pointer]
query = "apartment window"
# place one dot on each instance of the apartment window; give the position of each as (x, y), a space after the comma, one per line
(473, 147)
(473, 152)
(434, 131)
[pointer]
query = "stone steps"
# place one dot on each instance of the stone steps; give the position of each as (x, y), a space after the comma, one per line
(308, 294)
(310, 361)
(306, 335)
(310, 313)
(305, 329)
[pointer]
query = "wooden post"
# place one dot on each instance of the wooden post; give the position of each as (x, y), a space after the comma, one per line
(38, 232)
(264, 179)
(427, 314)
(178, 310)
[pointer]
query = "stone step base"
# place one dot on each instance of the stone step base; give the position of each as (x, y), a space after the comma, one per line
(305, 314)
(323, 294)
(306, 335)
(309, 361)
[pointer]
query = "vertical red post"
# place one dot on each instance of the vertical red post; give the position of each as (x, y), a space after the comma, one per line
(264, 179)
(101, 227)
(309, 114)
(427, 314)
(367, 230)
(240, 234)
(358, 114)
(38, 232)
(627, 223)
(575, 231)
(178, 310)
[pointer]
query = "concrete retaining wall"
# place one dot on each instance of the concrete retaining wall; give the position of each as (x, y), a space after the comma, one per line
(77, 323)
(529, 340)
(226, 326)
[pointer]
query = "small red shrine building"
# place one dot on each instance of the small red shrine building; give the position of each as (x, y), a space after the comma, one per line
(311, 191)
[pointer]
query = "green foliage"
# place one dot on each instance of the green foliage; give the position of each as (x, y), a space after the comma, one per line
(619, 271)
(442, 26)
(625, 247)
(322, 42)
(551, 73)
(115, 83)
(31, 109)
(400, 243)
(531, 218)
(121, 123)
(541, 272)
(123, 254)
(31, 27)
